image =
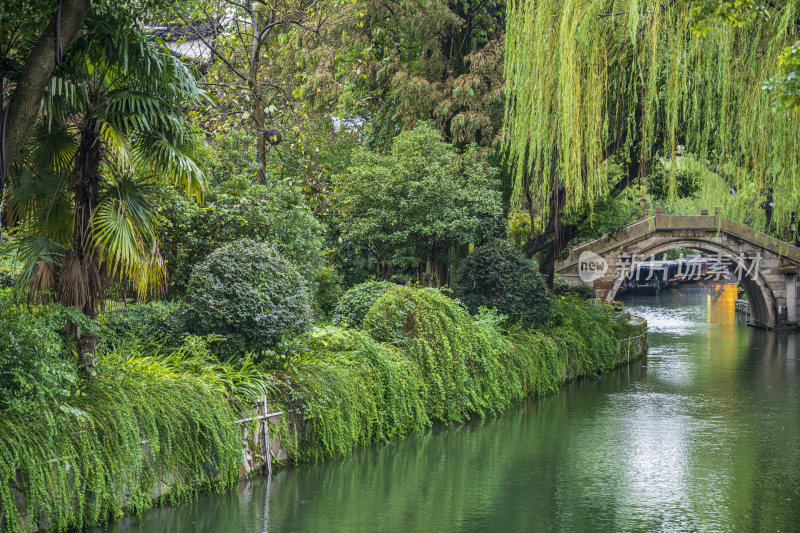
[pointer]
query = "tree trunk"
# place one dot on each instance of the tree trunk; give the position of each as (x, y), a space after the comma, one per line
(22, 108)
(79, 281)
(261, 142)
(255, 91)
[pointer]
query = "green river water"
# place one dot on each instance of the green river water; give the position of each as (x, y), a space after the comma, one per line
(703, 435)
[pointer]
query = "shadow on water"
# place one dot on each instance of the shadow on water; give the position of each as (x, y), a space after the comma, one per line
(701, 436)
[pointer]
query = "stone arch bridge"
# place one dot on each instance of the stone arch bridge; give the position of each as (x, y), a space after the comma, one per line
(767, 267)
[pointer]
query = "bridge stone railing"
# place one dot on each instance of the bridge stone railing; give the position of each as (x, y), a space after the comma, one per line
(773, 291)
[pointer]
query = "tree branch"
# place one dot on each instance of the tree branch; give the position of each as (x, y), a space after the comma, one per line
(20, 112)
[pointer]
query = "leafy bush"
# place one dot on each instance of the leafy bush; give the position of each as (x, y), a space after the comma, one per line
(352, 307)
(347, 389)
(146, 327)
(498, 276)
(343, 389)
(420, 203)
(249, 293)
(7, 276)
(239, 209)
(36, 363)
(9, 266)
(562, 288)
(589, 333)
(457, 355)
(135, 425)
(328, 291)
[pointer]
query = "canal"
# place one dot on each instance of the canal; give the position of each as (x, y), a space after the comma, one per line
(702, 436)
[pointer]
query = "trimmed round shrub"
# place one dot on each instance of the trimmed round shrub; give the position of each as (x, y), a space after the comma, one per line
(247, 292)
(353, 305)
(500, 277)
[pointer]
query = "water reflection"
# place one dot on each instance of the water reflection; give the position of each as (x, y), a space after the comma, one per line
(703, 436)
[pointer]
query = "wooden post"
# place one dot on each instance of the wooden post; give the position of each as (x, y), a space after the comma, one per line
(267, 451)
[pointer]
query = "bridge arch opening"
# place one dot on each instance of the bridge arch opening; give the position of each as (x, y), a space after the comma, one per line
(763, 308)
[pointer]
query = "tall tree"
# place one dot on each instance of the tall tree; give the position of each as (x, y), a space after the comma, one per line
(28, 64)
(112, 123)
(416, 206)
(252, 34)
(590, 80)
(402, 61)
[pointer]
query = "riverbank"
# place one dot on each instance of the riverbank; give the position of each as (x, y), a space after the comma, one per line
(419, 360)
(699, 436)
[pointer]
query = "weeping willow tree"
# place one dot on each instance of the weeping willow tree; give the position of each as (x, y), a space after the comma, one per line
(593, 81)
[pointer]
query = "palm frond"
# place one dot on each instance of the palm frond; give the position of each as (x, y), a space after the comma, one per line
(124, 235)
(130, 110)
(54, 146)
(42, 203)
(172, 158)
(62, 96)
(41, 258)
(116, 142)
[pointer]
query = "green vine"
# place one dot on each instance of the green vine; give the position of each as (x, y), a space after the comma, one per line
(166, 423)
(423, 359)
(130, 430)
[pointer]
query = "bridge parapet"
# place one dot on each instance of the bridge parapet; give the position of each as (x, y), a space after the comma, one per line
(712, 226)
(771, 265)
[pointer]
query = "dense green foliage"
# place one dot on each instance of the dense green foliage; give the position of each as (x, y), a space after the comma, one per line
(80, 228)
(435, 364)
(130, 427)
(419, 202)
(353, 305)
(562, 288)
(146, 327)
(391, 163)
(236, 208)
(349, 391)
(498, 276)
(248, 293)
(35, 362)
(400, 62)
(579, 341)
(609, 214)
(456, 354)
(8, 277)
(590, 80)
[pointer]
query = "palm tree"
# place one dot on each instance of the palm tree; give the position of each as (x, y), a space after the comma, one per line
(111, 127)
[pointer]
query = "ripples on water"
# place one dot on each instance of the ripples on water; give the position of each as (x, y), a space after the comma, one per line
(702, 436)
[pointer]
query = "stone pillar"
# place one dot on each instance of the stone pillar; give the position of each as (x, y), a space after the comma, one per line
(791, 298)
